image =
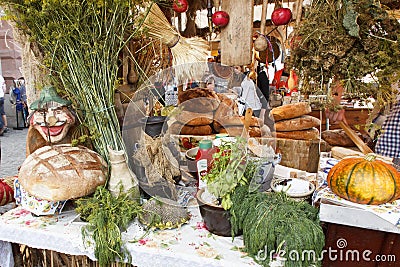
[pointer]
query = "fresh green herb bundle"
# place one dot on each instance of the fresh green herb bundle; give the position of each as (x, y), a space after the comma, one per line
(270, 220)
(107, 216)
(227, 170)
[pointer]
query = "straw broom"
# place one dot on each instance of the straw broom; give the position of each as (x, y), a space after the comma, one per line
(184, 50)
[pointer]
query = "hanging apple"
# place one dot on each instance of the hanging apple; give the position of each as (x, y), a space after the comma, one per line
(180, 6)
(220, 18)
(281, 16)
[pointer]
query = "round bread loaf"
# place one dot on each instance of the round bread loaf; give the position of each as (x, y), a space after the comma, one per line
(299, 123)
(194, 118)
(308, 134)
(62, 172)
(290, 111)
(198, 100)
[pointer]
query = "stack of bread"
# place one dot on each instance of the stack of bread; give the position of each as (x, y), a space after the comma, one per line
(203, 112)
(227, 119)
(195, 113)
(293, 122)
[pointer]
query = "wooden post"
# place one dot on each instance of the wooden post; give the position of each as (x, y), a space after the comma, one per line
(237, 36)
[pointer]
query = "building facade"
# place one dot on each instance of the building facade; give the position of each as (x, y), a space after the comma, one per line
(10, 55)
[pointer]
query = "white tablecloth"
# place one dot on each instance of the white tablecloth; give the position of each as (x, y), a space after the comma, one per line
(191, 245)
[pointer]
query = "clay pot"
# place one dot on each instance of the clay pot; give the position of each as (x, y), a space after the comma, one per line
(215, 217)
(190, 156)
(155, 125)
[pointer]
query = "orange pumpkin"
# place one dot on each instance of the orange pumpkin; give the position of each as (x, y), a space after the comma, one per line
(365, 180)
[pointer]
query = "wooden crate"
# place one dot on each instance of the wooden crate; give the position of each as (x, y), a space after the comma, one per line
(299, 154)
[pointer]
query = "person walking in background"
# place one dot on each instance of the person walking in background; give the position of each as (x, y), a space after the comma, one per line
(22, 89)
(3, 123)
(16, 99)
(263, 85)
(250, 95)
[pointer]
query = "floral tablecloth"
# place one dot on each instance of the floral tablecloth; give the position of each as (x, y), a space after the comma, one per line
(190, 245)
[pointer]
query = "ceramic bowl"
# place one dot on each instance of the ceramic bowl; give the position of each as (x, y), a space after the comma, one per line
(296, 188)
(36, 205)
(215, 217)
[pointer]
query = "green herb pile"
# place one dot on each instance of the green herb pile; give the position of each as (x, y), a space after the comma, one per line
(107, 216)
(273, 222)
(348, 39)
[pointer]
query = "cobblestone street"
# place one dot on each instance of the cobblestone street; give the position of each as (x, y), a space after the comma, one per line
(12, 143)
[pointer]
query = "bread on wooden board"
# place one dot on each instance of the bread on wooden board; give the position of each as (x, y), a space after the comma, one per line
(308, 134)
(290, 111)
(300, 123)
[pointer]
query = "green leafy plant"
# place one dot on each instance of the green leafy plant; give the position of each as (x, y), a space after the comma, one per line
(274, 222)
(81, 42)
(227, 170)
(348, 40)
(107, 216)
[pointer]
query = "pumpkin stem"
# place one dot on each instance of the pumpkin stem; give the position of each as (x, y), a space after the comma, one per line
(370, 157)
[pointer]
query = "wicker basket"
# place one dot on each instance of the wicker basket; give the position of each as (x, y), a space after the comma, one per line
(25, 256)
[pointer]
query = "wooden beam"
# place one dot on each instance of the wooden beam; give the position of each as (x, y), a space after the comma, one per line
(237, 36)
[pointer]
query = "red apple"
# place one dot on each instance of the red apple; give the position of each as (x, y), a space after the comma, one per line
(180, 6)
(281, 16)
(220, 18)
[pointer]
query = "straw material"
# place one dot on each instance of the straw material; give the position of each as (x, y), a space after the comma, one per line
(184, 50)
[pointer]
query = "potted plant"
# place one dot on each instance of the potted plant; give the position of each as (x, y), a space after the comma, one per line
(224, 174)
(232, 166)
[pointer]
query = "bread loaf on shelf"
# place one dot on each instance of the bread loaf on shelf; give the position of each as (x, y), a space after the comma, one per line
(179, 129)
(194, 118)
(290, 111)
(308, 134)
(198, 100)
(300, 123)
